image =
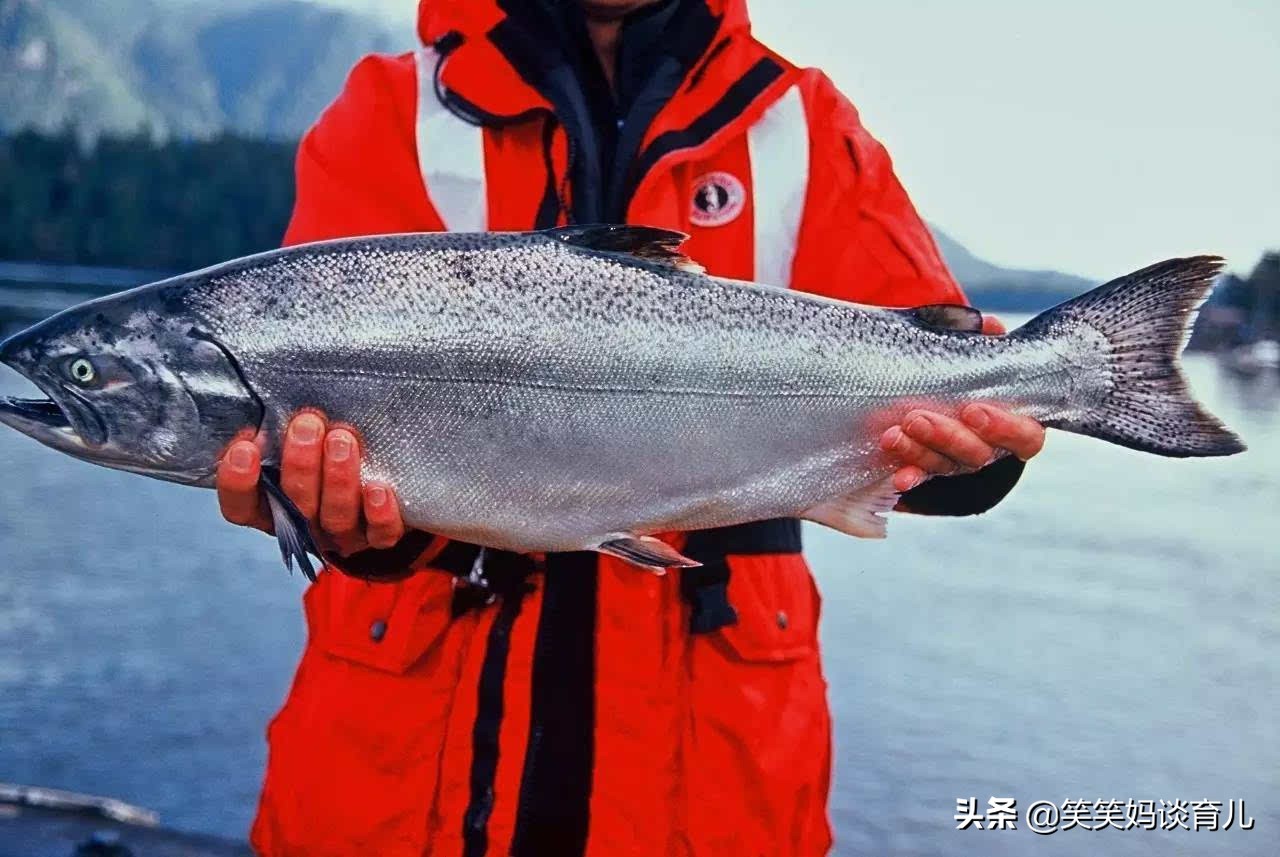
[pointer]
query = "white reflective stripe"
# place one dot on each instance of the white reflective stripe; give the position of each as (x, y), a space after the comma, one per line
(779, 146)
(450, 156)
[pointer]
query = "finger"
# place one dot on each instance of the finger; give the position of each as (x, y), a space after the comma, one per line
(908, 477)
(908, 451)
(382, 516)
(1021, 435)
(340, 485)
(237, 482)
(993, 326)
(948, 436)
(300, 462)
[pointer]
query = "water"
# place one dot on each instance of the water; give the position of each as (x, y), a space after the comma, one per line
(1111, 631)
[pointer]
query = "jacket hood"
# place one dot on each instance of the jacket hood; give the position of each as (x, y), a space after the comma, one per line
(475, 18)
(480, 73)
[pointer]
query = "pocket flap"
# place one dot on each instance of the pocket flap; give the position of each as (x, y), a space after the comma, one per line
(387, 626)
(777, 606)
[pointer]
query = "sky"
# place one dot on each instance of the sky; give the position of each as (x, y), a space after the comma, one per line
(1090, 137)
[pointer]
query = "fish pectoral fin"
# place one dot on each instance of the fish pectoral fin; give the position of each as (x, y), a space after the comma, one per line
(644, 242)
(859, 514)
(646, 552)
(293, 531)
(946, 317)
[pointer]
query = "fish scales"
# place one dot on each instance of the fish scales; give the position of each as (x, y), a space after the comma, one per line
(568, 389)
(493, 383)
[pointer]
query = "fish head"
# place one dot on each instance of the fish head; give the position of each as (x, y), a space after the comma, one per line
(132, 387)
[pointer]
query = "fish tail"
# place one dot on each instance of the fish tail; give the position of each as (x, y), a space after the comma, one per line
(1146, 319)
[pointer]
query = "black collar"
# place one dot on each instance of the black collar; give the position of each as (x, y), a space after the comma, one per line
(546, 42)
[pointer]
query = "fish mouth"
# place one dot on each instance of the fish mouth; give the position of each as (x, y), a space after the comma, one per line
(44, 412)
(67, 423)
(52, 415)
(43, 420)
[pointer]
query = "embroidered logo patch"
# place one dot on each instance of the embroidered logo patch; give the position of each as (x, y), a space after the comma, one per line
(717, 199)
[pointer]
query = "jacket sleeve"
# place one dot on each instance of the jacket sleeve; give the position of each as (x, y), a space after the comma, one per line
(357, 174)
(862, 240)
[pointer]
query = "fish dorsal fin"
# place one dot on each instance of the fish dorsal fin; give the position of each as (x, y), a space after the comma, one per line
(946, 317)
(644, 242)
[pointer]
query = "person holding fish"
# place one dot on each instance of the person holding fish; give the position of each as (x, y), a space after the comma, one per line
(556, 473)
(481, 702)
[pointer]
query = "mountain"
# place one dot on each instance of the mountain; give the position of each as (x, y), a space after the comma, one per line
(991, 287)
(264, 68)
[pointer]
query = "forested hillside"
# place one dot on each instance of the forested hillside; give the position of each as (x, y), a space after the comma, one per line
(135, 202)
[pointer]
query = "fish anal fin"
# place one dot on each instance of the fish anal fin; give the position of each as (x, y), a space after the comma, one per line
(946, 317)
(293, 531)
(643, 242)
(646, 552)
(859, 514)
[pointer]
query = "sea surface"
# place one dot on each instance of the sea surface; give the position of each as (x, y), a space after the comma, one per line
(1112, 631)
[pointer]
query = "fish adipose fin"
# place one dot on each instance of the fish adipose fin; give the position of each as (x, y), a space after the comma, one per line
(858, 514)
(646, 552)
(644, 242)
(293, 532)
(946, 317)
(1146, 318)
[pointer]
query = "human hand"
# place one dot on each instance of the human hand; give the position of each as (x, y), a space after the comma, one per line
(928, 444)
(320, 473)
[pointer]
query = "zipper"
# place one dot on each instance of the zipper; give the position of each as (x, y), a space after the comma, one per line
(486, 730)
(682, 144)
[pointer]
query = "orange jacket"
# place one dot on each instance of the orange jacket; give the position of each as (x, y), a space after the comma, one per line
(579, 712)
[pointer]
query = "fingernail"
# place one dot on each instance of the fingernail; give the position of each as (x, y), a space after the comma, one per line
(916, 482)
(339, 446)
(894, 438)
(241, 457)
(377, 495)
(305, 429)
(976, 417)
(919, 424)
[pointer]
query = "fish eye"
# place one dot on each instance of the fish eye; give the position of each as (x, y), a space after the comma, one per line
(82, 371)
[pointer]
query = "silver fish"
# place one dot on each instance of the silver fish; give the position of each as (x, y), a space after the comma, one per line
(584, 388)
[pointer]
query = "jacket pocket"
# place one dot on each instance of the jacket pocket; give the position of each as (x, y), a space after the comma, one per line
(385, 626)
(758, 746)
(777, 606)
(380, 670)
(354, 754)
